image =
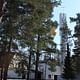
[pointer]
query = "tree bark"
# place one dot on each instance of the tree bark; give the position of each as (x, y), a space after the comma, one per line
(36, 71)
(37, 59)
(23, 71)
(7, 62)
(5, 73)
(1, 76)
(29, 64)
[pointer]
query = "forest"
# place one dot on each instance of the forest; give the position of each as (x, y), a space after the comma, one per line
(27, 34)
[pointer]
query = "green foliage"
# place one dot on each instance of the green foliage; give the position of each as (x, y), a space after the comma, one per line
(68, 71)
(75, 64)
(52, 64)
(28, 23)
(65, 29)
(76, 56)
(21, 69)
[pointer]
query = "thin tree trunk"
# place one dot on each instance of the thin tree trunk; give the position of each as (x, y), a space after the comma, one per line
(0, 68)
(10, 45)
(29, 64)
(23, 72)
(5, 73)
(1, 73)
(7, 64)
(37, 59)
(36, 71)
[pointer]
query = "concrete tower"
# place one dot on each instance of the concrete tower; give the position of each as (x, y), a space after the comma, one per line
(63, 39)
(62, 18)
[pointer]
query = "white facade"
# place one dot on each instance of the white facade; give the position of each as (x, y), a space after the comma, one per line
(43, 68)
(12, 74)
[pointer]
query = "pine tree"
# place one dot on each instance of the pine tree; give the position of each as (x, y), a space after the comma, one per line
(22, 59)
(9, 30)
(40, 28)
(76, 56)
(68, 71)
(23, 22)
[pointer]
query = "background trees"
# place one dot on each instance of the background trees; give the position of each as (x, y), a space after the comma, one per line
(27, 24)
(68, 71)
(76, 56)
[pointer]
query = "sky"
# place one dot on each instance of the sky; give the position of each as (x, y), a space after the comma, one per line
(70, 8)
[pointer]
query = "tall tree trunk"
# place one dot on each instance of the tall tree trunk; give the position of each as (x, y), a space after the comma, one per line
(10, 45)
(5, 73)
(23, 71)
(37, 59)
(1, 72)
(0, 69)
(36, 71)
(29, 63)
(7, 62)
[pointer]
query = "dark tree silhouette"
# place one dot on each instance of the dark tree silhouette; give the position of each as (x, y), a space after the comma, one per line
(76, 56)
(68, 71)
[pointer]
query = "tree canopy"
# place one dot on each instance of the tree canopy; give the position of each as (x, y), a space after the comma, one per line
(27, 24)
